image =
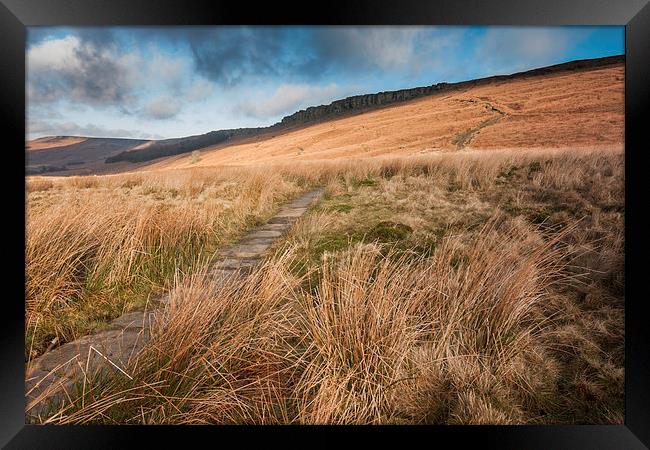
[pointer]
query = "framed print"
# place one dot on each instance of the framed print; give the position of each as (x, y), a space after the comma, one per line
(416, 219)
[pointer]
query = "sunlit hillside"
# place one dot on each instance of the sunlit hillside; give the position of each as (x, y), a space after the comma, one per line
(573, 109)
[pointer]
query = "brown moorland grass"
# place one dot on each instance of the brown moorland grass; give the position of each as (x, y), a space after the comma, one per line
(466, 288)
(98, 246)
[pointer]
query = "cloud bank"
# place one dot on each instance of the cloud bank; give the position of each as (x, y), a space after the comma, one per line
(175, 81)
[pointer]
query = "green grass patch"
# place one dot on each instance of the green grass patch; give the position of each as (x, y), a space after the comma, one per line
(535, 214)
(337, 203)
(92, 312)
(388, 232)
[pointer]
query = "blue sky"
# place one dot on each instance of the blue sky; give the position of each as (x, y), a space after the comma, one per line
(152, 82)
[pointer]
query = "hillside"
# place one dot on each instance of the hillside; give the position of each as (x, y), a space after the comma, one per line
(69, 154)
(343, 108)
(580, 107)
(575, 104)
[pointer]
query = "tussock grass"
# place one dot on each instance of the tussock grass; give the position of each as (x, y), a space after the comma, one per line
(503, 303)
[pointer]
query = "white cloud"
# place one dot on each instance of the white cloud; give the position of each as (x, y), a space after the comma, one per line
(389, 48)
(166, 71)
(199, 90)
(56, 54)
(288, 98)
(519, 48)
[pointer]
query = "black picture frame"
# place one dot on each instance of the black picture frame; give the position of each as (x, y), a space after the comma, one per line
(16, 15)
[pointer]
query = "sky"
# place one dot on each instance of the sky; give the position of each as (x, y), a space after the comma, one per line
(164, 82)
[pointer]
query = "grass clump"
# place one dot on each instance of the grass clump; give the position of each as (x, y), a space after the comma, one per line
(340, 207)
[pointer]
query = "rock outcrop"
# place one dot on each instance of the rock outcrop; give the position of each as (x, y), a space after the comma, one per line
(359, 103)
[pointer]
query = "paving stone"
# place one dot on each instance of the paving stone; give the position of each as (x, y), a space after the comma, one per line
(248, 250)
(293, 212)
(236, 263)
(280, 221)
(245, 252)
(135, 319)
(268, 226)
(264, 234)
(247, 240)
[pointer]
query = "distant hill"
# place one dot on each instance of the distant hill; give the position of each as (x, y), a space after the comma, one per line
(170, 147)
(361, 103)
(70, 153)
(89, 154)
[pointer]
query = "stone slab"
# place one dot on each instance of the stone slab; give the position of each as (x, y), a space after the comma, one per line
(278, 227)
(251, 250)
(292, 212)
(284, 221)
(263, 234)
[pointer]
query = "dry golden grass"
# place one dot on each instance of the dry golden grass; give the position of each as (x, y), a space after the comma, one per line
(578, 197)
(97, 246)
(467, 288)
(357, 350)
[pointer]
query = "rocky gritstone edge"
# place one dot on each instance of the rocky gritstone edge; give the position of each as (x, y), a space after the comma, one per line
(50, 377)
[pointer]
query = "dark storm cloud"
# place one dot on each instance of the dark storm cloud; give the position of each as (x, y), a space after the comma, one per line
(86, 69)
(338, 47)
(227, 55)
(102, 78)
(231, 55)
(93, 66)
(114, 67)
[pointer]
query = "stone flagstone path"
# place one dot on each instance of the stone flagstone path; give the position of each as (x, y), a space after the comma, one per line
(51, 376)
